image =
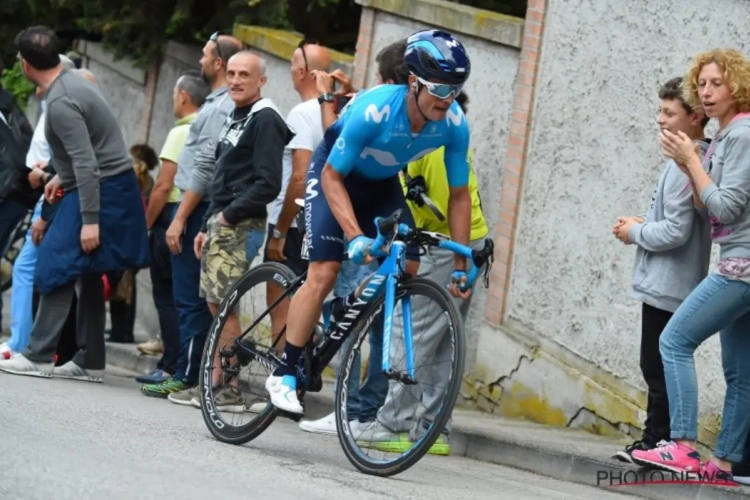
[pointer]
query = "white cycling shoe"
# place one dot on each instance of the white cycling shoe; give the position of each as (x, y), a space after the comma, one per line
(283, 396)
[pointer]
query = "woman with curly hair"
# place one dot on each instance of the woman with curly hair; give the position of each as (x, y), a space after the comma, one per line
(719, 82)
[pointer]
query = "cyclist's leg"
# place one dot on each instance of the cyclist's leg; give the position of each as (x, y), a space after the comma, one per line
(294, 261)
(326, 250)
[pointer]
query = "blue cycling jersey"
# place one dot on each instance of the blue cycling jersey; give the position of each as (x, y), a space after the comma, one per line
(372, 137)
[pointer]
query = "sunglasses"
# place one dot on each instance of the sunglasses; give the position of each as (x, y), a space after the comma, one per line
(441, 90)
(301, 47)
(215, 38)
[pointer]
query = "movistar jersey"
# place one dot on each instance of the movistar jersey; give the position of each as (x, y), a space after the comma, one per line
(373, 137)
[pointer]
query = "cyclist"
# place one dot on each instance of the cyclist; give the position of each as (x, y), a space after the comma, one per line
(353, 178)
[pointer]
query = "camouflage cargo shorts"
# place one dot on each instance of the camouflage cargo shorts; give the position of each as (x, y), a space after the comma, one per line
(224, 257)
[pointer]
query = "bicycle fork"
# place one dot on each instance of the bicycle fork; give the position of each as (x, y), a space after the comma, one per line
(407, 378)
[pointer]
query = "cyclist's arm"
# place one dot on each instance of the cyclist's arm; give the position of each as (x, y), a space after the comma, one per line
(344, 153)
(459, 203)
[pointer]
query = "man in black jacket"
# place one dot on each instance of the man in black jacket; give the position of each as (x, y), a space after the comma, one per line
(16, 196)
(248, 177)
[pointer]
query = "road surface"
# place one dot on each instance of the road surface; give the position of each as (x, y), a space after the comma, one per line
(76, 440)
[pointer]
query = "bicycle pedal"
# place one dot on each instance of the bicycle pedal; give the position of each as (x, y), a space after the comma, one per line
(295, 417)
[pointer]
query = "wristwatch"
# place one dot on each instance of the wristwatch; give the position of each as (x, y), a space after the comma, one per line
(278, 234)
(327, 97)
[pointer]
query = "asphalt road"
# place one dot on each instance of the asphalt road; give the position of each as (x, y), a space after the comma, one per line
(75, 440)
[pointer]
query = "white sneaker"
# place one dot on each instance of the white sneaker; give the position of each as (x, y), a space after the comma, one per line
(325, 425)
(283, 397)
(6, 352)
(72, 371)
(21, 365)
(257, 408)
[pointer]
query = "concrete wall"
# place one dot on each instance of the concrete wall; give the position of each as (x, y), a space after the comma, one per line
(564, 348)
(493, 42)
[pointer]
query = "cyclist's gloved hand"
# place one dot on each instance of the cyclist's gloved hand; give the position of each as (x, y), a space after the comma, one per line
(460, 284)
(416, 187)
(359, 248)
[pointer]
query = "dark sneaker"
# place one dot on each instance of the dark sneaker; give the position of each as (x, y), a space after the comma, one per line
(156, 377)
(626, 455)
(164, 389)
(741, 473)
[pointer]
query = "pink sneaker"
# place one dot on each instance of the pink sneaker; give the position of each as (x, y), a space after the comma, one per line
(669, 456)
(711, 473)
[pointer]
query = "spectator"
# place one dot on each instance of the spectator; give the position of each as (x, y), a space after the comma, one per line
(99, 225)
(123, 299)
(719, 81)
(195, 169)
(284, 241)
(22, 292)
(674, 249)
(189, 94)
(248, 177)
(15, 197)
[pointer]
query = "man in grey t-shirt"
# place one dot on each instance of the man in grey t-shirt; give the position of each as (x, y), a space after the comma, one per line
(99, 224)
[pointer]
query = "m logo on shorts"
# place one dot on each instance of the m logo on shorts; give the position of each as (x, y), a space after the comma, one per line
(310, 190)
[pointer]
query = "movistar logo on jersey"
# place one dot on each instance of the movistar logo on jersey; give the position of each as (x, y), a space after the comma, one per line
(372, 113)
(454, 117)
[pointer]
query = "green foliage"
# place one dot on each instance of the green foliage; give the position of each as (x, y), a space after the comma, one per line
(14, 82)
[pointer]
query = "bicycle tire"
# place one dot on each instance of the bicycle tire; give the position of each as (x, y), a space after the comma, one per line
(426, 288)
(260, 274)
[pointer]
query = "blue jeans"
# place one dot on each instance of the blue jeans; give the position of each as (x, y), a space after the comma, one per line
(195, 317)
(721, 305)
(363, 402)
(22, 292)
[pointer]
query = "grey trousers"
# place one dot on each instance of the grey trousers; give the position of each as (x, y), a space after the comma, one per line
(91, 316)
(432, 349)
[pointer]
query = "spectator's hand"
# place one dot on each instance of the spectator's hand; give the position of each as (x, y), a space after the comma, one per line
(40, 165)
(200, 239)
(323, 82)
(35, 177)
(37, 230)
(345, 81)
(621, 231)
(275, 249)
(221, 220)
(89, 237)
(174, 236)
(679, 147)
(50, 190)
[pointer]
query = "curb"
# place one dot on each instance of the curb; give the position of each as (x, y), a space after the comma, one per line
(126, 357)
(509, 450)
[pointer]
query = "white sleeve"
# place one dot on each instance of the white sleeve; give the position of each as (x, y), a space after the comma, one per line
(304, 137)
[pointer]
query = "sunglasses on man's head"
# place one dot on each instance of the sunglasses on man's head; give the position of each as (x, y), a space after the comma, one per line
(215, 38)
(301, 46)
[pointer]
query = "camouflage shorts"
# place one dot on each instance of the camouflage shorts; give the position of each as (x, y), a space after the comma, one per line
(224, 257)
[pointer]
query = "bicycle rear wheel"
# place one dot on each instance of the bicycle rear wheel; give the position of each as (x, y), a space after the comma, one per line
(221, 413)
(420, 432)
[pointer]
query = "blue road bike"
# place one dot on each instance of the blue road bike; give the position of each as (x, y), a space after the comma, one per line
(376, 301)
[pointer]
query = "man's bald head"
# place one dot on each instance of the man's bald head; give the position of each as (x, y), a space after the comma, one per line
(318, 57)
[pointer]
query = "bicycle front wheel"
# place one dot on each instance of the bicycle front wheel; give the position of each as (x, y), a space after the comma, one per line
(414, 414)
(232, 380)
